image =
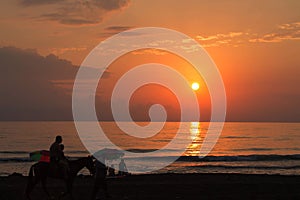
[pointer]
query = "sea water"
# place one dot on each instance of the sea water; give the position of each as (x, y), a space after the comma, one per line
(243, 147)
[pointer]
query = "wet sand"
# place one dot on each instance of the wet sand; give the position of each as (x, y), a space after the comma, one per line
(167, 186)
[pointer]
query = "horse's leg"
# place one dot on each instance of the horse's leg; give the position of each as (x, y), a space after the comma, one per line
(100, 183)
(104, 186)
(44, 179)
(30, 186)
(70, 187)
(95, 190)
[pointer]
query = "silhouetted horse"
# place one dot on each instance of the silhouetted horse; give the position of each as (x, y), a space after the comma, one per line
(41, 170)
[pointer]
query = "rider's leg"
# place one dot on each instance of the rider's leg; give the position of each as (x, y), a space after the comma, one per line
(63, 165)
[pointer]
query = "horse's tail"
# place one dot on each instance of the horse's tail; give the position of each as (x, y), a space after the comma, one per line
(30, 175)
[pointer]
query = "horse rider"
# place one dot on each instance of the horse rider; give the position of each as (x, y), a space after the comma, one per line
(57, 156)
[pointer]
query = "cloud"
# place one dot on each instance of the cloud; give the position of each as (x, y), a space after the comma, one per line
(27, 92)
(39, 2)
(220, 36)
(156, 52)
(76, 12)
(70, 20)
(112, 30)
(112, 4)
(231, 38)
(118, 28)
(283, 32)
(59, 51)
(36, 87)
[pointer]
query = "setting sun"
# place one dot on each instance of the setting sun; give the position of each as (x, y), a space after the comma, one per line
(195, 86)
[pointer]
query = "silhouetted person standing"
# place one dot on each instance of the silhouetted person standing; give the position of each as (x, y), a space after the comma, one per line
(122, 168)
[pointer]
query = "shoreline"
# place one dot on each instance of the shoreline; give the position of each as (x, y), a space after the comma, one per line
(167, 186)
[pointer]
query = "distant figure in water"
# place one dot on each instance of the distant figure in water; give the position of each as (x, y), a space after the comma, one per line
(122, 168)
(57, 157)
(111, 171)
(100, 178)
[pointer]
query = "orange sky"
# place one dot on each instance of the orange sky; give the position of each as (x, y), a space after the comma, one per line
(255, 44)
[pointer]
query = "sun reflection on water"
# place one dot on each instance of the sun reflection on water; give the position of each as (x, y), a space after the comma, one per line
(193, 149)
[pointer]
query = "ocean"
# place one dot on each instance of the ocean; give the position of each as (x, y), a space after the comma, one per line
(247, 148)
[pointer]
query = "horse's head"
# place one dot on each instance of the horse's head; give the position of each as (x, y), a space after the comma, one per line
(90, 164)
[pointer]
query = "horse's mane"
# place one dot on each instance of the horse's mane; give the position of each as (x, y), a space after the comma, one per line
(78, 159)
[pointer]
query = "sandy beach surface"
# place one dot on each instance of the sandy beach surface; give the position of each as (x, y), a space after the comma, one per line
(167, 186)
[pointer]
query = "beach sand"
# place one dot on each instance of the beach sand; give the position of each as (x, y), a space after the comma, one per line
(167, 186)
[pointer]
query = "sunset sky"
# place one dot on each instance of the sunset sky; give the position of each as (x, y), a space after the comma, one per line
(255, 45)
